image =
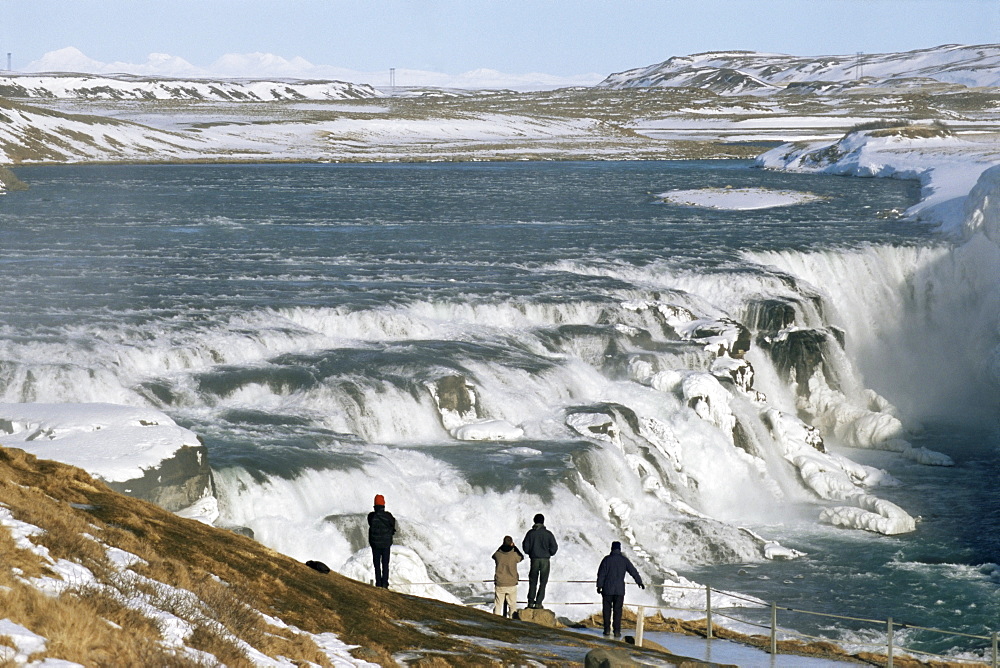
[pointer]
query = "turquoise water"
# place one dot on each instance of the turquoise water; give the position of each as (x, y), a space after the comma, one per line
(943, 576)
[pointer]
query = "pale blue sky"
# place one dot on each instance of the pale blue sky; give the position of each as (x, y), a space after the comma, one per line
(557, 37)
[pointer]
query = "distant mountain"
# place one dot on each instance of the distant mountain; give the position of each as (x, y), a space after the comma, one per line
(743, 72)
(129, 87)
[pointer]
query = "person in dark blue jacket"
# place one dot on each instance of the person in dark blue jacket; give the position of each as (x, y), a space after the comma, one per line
(539, 544)
(611, 586)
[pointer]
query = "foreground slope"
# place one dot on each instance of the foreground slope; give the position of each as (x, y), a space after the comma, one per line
(94, 577)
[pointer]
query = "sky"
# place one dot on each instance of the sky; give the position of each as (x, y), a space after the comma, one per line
(460, 42)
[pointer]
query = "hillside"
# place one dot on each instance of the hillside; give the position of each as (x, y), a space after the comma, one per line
(93, 577)
(33, 134)
(703, 106)
(63, 85)
(740, 72)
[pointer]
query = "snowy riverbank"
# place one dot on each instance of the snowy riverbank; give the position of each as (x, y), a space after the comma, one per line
(948, 166)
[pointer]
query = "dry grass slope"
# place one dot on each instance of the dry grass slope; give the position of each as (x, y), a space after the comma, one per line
(218, 581)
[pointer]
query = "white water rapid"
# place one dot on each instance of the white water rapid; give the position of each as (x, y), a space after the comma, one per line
(669, 409)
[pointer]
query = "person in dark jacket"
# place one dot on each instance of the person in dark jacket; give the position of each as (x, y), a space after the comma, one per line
(539, 544)
(505, 578)
(611, 586)
(381, 527)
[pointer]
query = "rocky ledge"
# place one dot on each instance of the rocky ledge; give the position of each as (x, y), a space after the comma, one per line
(138, 451)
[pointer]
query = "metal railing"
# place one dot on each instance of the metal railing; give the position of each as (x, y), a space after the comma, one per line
(992, 650)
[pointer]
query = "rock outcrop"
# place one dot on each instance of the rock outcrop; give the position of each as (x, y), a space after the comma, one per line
(178, 481)
(137, 451)
(539, 616)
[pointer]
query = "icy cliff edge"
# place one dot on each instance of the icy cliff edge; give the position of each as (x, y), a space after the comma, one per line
(947, 166)
(137, 451)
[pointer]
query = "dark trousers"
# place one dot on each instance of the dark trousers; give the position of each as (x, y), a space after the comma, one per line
(538, 576)
(613, 604)
(380, 556)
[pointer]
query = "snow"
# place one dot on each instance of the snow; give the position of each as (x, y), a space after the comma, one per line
(114, 442)
(737, 199)
(337, 651)
(204, 510)
(67, 86)
(835, 478)
(731, 653)
(982, 208)
(123, 559)
(600, 426)
(21, 531)
(25, 643)
(407, 573)
(871, 514)
(948, 168)
(710, 400)
(488, 430)
(740, 72)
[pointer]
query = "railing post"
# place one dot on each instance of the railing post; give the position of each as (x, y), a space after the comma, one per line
(994, 662)
(774, 629)
(640, 622)
(889, 634)
(708, 612)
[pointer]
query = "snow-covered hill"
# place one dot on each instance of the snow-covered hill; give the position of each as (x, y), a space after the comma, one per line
(128, 87)
(30, 134)
(740, 72)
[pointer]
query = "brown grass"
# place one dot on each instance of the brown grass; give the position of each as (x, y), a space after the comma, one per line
(77, 631)
(220, 580)
(922, 131)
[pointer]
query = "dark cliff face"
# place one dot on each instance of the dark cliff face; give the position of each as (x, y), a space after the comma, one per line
(800, 354)
(176, 483)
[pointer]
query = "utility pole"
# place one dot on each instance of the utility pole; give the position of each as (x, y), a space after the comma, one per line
(9, 68)
(859, 66)
(392, 79)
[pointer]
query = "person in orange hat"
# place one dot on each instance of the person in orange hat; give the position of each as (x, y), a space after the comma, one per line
(381, 527)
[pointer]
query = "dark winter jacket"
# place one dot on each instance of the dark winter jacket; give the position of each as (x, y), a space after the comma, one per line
(611, 574)
(507, 558)
(381, 526)
(539, 543)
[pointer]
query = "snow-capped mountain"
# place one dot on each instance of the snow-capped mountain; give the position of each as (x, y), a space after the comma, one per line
(128, 87)
(741, 72)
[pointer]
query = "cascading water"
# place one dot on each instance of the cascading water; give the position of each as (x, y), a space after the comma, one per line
(492, 341)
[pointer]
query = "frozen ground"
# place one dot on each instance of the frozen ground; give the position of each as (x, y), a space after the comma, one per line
(727, 652)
